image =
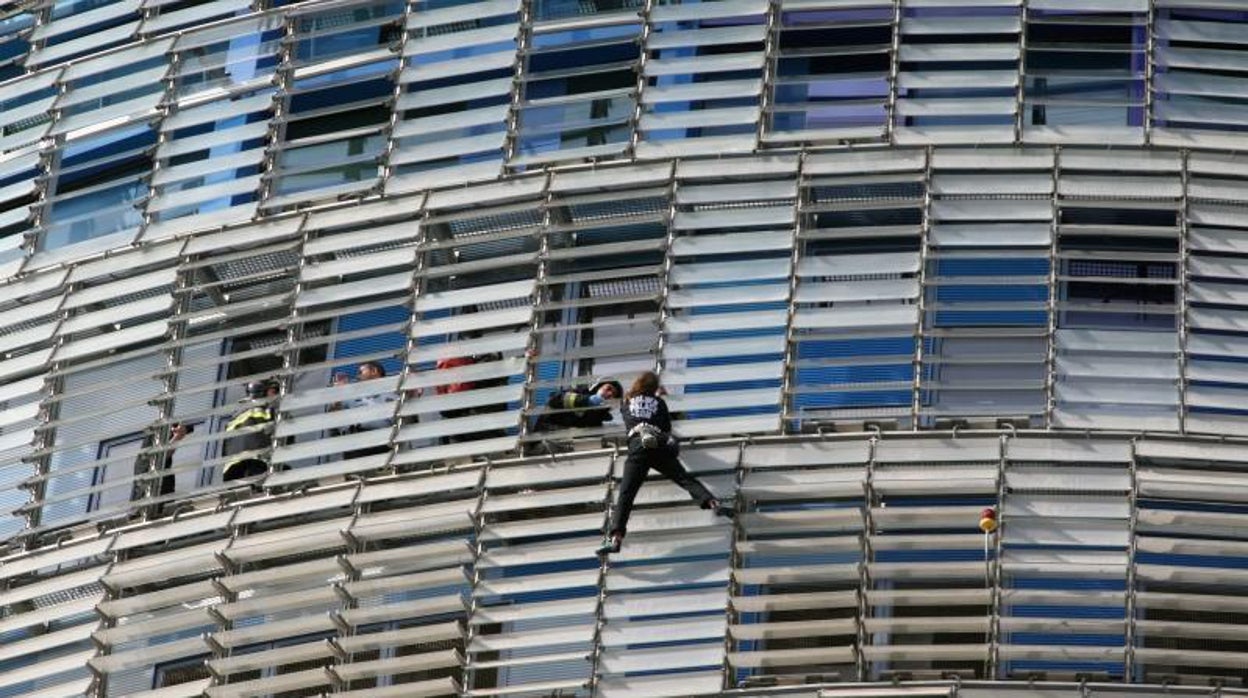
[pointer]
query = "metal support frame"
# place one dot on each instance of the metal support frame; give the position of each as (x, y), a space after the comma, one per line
(604, 567)
(771, 40)
(99, 681)
(894, 71)
(916, 398)
(49, 158)
(647, 27)
(290, 355)
(788, 379)
(524, 39)
(995, 580)
(735, 561)
(1150, 70)
(665, 274)
(1050, 357)
(167, 402)
(181, 293)
(1184, 281)
(864, 564)
(1020, 91)
(417, 288)
(353, 545)
(1133, 513)
(478, 548)
(281, 106)
(541, 295)
(167, 107)
(45, 437)
(227, 568)
(384, 168)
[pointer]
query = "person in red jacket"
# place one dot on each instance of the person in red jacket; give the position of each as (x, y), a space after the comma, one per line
(454, 362)
(465, 386)
(450, 388)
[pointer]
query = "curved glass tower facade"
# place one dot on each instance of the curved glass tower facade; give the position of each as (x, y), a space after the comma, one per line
(897, 261)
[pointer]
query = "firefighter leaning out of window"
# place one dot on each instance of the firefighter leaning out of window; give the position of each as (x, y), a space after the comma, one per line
(580, 407)
(256, 419)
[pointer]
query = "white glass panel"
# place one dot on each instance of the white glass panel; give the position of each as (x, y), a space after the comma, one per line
(707, 37)
(191, 16)
(392, 283)
(406, 154)
(357, 263)
(138, 107)
(713, 272)
(722, 89)
(99, 15)
(229, 30)
(726, 321)
(129, 82)
(703, 64)
(727, 296)
(473, 321)
(112, 340)
(474, 296)
(200, 168)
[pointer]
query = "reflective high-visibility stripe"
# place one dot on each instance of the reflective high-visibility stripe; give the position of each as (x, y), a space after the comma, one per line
(570, 400)
(259, 414)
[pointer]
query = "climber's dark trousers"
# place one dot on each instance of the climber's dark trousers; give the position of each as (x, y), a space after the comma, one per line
(638, 464)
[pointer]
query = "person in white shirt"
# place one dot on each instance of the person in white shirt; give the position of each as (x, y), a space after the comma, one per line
(367, 371)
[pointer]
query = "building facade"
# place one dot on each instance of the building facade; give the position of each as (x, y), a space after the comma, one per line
(897, 261)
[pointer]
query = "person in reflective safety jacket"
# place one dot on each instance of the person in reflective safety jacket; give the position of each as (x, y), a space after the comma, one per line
(590, 405)
(257, 413)
(650, 445)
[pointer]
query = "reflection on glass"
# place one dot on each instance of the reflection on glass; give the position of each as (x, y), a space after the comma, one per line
(227, 64)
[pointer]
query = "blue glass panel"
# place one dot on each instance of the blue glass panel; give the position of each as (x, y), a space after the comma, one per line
(574, 37)
(329, 154)
(346, 42)
(735, 334)
(1021, 266)
(732, 385)
(18, 176)
(838, 375)
(694, 362)
(106, 211)
(869, 398)
(840, 348)
(335, 94)
(557, 9)
(84, 30)
(1085, 70)
(354, 14)
(468, 51)
(65, 8)
(245, 57)
(223, 125)
(100, 147)
(13, 46)
(386, 341)
(996, 318)
(831, 70)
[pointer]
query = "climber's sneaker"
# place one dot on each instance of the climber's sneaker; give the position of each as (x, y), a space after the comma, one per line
(610, 544)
